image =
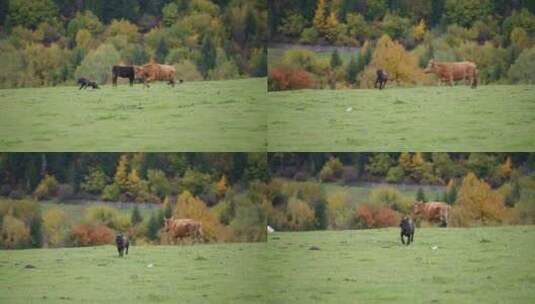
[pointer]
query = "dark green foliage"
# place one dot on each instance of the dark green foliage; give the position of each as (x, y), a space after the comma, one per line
(208, 56)
(336, 61)
(36, 233)
(352, 71)
(136, 217)
(168, 211)
(320, 212)
(153, 227)
(29, 13)
(514, 195)
(420, 195)
(451, 197)
(161, 51)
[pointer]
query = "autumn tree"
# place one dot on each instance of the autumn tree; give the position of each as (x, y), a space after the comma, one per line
(320, 18)
(121, 173)
(479, 202)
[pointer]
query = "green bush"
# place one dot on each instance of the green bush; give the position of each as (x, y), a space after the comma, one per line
(395, 175)
(331, 171)
(56, 227)
(107, 216)
(158, 183)
(95, 181)
(111, 192)
(98, 63)
(523, 70)
(299, 214)
(390, 197)
(309, 36)
(14, 233)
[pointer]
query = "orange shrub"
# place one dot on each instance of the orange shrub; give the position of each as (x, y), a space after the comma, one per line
(369, 216)
(91, 235)
(289, 79)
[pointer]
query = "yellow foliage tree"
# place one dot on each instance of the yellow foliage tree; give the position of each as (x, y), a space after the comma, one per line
(331, 24)
(83, 39)
(506, 168)
(133, 182)
(337, 209)
(419, 30)
(320, 17)
(520, 37)
(479, 202)
(14, 234)
(402, 67)
(222, 186)
(121, 172)
(189, 206)
(405, 161)
(300, 215)
(55, 227)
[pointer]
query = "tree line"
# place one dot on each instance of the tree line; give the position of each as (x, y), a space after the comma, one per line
(50, 42)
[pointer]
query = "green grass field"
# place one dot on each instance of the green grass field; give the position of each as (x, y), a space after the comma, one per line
(489, 118)
(478, 265)
(213, 116)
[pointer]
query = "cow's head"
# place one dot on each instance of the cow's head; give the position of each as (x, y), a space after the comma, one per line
(139, 73)
(430, 66)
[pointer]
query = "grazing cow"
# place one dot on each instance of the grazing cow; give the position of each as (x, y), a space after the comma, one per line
(453, 71)
(122, 244)
(407, 229)
(179, 229)
(435, 212)
(123, 72)
(382, 78)
(153, 71)
(85, 83)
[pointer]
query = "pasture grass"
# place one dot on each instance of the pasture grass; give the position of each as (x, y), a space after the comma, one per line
(477, 265)
(489, 118)
(214, 116)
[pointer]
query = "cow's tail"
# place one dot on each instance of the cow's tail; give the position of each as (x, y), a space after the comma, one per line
(474, 81)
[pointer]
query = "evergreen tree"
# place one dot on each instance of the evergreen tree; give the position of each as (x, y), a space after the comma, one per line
(352, 71)
(136, 217)
(208, 57)
(153, 228)
(452, 195)
(336, 61)
(514, 195)
(420, 195)
(36, 232)
(320, 212)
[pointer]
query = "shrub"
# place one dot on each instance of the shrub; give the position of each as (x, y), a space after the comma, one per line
(91, 235)
(292, 25)
(339, 210)
(95, 181)
(56, 227)
(14, 233)
(390, 197)
(47, 188)
(331, 171)
(524, 212)
(395, 175)
(187, 71)
(309, 36)
(136, 217)
(98, 63)
(158, 183)
(379, 164)
(370, 216)
(523, 70)
(107, 216)
(300, 215)
(249, 224)
(350, 174)
(111, 192)
(195, 182)
(258, 63)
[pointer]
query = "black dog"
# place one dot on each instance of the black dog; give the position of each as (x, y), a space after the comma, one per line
(123, 72)
(85, 83)
(407, 229)
(382, 78)
(122, 244)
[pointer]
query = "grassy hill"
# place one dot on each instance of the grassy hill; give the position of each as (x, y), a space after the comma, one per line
(490, 118)
(478, 265)
(213, 116)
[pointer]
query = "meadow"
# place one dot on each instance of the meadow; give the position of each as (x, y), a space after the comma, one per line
(475, 265)
(489, 118)
(216, 116)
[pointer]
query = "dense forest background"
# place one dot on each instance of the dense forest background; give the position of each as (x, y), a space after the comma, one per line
(400, 36)
(49, 42)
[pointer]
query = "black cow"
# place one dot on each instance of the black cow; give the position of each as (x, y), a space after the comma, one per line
(382, 78)
(123, 72)
(85, 83)
(407, 229)
(122, 244)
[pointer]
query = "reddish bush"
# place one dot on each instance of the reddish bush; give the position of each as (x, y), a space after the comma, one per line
(289, 79)
(376, 217)
(91, 235)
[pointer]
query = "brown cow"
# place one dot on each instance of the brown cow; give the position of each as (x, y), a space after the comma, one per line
(179, 229)
(436, 212)
(453, 71)
(153, 71)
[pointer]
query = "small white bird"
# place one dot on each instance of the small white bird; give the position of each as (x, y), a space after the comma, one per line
(270, 229)
(349, 109)
(434, 247)
(150, 265)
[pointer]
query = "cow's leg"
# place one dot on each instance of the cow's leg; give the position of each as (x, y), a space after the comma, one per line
(131, 81)
(81, 86)
(127, 245)
(402, 239)
(114, 80)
